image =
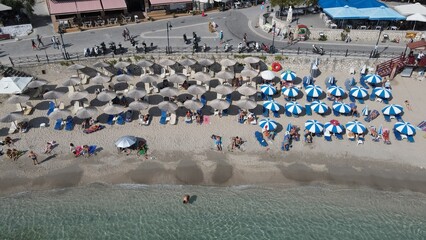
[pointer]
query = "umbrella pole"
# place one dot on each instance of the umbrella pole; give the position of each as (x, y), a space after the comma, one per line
(414, 27)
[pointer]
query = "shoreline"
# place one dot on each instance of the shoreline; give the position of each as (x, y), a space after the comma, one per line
(297, 169)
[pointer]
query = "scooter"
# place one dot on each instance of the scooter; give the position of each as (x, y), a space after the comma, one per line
(317, 50)
(195, 47)
(240, 47)
(112, 47)
(86, 52)
(185, 39)
(257, 47)
(227, 47)
(103, 48)
(98, 50)
(205, 47)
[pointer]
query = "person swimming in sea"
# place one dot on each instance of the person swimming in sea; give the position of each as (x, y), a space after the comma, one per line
(186, 199)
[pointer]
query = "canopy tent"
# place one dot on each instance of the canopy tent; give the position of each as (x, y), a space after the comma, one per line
(420, 45)
(410, 9)
(382, 13)
(345, 12)
(4, 8)
(352, 3)
(416, 17)
(14, 85)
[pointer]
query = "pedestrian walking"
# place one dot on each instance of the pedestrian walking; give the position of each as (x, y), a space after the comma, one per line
(33, 156)
(58, 43)
(127, 33)
(124, 34)
(34, 44)
(221, 36)
(40, 42)
(290, 38)
(55, 45)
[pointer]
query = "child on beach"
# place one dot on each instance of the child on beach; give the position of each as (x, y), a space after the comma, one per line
(407, 104)
(217, 142)
(49, 147)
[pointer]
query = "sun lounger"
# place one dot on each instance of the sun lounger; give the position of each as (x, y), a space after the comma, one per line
(120, 119)
(410, 139)
(348, 85)
(163, 118)
(387, 118)
(173, 119)
(285, 145)
(51, 108)
(93, 128)
(13, 127)
(229, 98)
(206, 119)
(360, 141)
(308, 109)
(69, 125)
(363, 83)
(287, 113)
(308, 98)
(327, 138)
(422, 125)
(58, 124)
(28, 108)
(336, 113)
(361, 101)
(110, 120)
(397, 135)
(339, 136)
(276, 114)
(372, 96)
(265, 112)
(92, 150)
(203, 100)
(373, 115)
(260, 139)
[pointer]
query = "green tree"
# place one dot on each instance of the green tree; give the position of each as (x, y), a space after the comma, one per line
(17, 5)
(287, 3)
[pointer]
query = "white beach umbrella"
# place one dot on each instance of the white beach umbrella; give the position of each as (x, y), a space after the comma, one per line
(193, 104)
(76, 67)
(36, 83)
(249, 73)
(167, 62)
(187, 62)
(196, 89)
(227, 62)
(100, 79)
(168, 106)
(267, 75)
(87, 112)
(126, 141)
(205, 62)
(251, 60)
(106, 96)
(246, 90)
(121, 65)
(150, 78)
(225, 74)
(53, 94)
(144, 63)
(223, 89)
(138, 105)
(59, 114)
(136, 93)
(169, 92)
(246, 104)
(101, 65)
(17, 99)
(78, 95)
(11, 117)
(72, 81)
(114, 109)
(177, 78)
(202, 77)
(124, 78)
(220, 104)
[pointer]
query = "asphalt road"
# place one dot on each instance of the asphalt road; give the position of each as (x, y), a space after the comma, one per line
(233, 23)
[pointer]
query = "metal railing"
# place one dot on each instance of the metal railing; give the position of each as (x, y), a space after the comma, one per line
(154, 50)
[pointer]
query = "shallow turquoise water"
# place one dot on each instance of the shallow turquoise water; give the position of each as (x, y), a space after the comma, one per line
(244, 212)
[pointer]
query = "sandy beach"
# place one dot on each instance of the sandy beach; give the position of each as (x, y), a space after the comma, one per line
(184, 153)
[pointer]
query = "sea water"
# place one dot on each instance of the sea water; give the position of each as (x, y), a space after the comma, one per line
(242, 212)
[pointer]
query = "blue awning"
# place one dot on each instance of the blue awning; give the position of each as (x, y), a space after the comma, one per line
(383, 13)
(345, 12)
(350, 3)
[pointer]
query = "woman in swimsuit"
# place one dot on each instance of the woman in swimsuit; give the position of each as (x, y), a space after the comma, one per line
(186, 199)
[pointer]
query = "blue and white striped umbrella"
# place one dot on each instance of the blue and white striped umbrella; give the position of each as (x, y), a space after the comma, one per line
(271, 105)
(380, 132)
(336, 91)
(373, 78)
(341, 107)
(314, 126)
(392, 109)
(333, 128)
(313, 91)
(319, 107)
(288, 75)
(365, 111)
(294, 108)
(356, 127)
(268, 89)
(269, 123)
(358, 92)
(405, 128)
(290, 92)
(382, 92)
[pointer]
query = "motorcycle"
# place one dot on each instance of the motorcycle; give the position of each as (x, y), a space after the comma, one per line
(98, 50)
(257, 47)
(195, 47)
(240, 47)
(112, 47)
(205, 47)
(103, 47)
(317, 50)
(86, 52)
(185, 39)
(227, 47)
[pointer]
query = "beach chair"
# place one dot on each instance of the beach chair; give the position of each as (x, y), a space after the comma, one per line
(28, 108)
(163, 118)
(120, 119)
(397, 135)
(110, 120)
(336, 113)
(263, 96)
(360, 141)
(92, 150)
(399, 118)
(327, 138)
(86, 103)
(352, 98)
(265, 112)
(308, 98)
(69, 125)
(410, 139)
(276, 114)
(387, 118)
(206, 119)
(363, 83)
(203, 100)
(75, 108)
(58, 124)
(287, 113)
(229, 98)
(173, 119)
(260, 139)
(61, 106)
(51, 108)
(372, 96)
(339, 136)
(308, 109)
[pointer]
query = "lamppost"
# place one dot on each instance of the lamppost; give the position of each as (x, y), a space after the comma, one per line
(61, 33)
(272, 48)
(375, 51)
(168, 27)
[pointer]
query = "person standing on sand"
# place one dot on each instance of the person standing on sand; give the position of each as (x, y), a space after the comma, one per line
(33, 156)
(40, 42)
(33, 44)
